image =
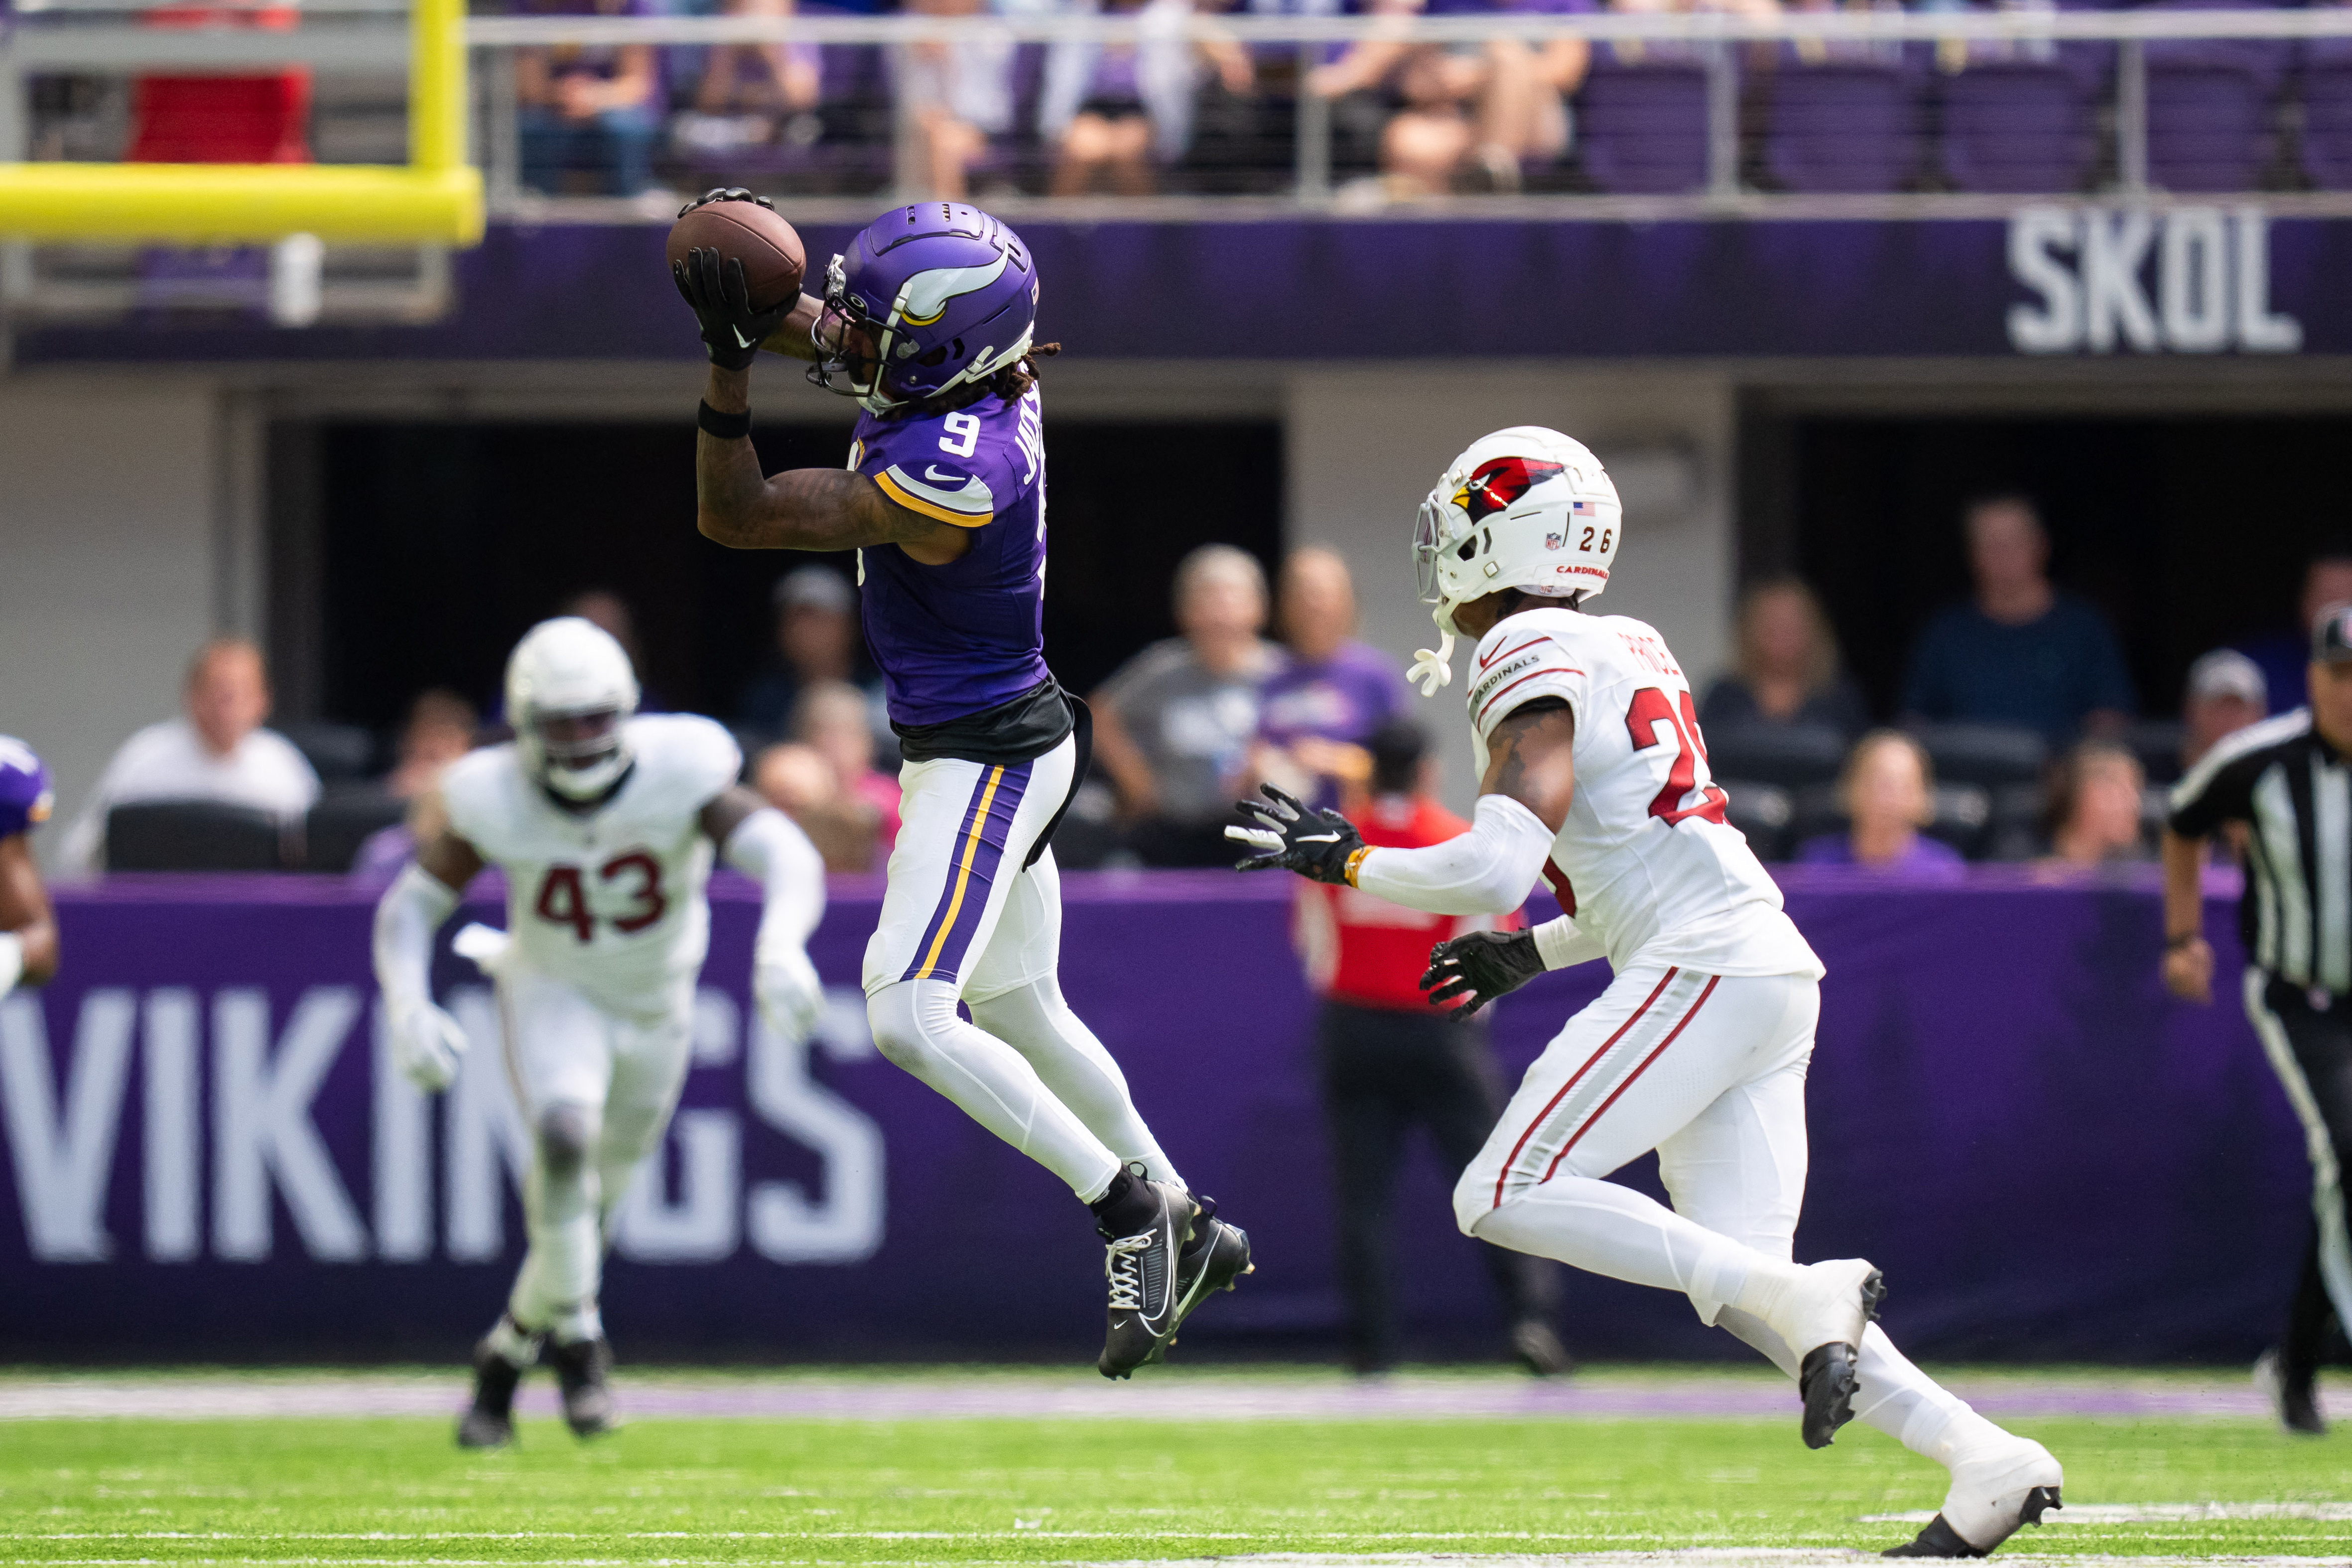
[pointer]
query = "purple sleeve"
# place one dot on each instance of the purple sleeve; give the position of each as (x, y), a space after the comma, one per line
(963, 467)
(24, 794)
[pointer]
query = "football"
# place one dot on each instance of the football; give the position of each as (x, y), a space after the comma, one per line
(773, 257)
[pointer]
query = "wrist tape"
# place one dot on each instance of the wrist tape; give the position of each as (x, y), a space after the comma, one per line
(725, 427)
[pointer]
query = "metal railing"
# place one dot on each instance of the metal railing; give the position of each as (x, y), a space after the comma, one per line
(1302, 166)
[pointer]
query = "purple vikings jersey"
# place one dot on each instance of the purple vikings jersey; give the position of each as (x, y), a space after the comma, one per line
(24, 788)
(953, 639)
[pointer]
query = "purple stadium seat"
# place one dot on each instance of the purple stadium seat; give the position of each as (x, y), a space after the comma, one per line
(1846, 126)
(2018, 125)
(1641, 129)
(2327, 113)
(2208, 107)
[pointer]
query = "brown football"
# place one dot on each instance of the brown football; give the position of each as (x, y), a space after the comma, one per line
(771, 254)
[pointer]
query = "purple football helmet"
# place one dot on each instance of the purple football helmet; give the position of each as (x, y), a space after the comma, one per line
(24, 788)
(946, 295)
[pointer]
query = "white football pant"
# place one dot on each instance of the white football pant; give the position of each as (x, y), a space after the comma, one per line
(596, 1090)
(1710, 1071)
(962, 921)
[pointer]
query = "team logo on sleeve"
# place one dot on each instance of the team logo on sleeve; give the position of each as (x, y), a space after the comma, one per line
(1496, 484)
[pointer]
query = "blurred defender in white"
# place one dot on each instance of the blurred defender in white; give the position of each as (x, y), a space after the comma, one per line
(1595, 776)
(605, 824)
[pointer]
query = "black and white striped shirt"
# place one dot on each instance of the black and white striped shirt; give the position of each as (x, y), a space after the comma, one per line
(2294, 792)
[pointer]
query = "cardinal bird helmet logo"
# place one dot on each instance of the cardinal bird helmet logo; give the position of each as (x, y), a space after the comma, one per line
(1496, 484)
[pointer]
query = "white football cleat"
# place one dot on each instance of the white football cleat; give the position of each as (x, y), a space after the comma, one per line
(1999, 1487)
(1819, 1316)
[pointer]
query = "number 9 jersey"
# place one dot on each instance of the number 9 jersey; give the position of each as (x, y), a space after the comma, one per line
(609, 900)
(1644, 861)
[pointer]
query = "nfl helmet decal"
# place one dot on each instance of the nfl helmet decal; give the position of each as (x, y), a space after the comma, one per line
(921, 303)
(1498, 482)
(1525, 508)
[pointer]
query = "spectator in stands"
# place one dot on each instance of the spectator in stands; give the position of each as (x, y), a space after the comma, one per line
(2226, 692)
(960, 95)
(1467, 116)
(216, 751)
(746, 91)
(1317, 715)
(2284, 654)
(1889, 791)
(1174, 723)
(1387, 1059)
(1111, 110)
(2021, 652)
(2095, 795)
(1788, 670)
(588, 111)
(442, 727)
(834, 719)
(817, 642)
(609, 612)
(800, 783)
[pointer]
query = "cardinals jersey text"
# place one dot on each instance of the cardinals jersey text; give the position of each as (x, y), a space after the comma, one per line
(609, 900)
(1645, 862)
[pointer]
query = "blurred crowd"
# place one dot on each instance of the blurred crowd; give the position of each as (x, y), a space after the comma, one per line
(2016, 734)
(1208, 114)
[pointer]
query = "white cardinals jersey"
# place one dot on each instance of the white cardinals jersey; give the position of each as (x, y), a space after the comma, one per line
(1645, 862)
(609, 900)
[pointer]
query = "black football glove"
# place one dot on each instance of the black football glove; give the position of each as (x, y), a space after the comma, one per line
(714, 288)
(1317, 844)
(1480, 966)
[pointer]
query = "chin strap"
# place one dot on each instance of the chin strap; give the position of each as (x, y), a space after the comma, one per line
(1433, 668)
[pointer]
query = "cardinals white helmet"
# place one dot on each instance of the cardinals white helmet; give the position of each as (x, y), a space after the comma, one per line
(1525, 507)
(570, 692)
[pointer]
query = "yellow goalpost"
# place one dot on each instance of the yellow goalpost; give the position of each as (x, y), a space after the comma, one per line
(435, 199)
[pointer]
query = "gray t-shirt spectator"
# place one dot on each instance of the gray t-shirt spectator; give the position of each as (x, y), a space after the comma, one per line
(1192, 726)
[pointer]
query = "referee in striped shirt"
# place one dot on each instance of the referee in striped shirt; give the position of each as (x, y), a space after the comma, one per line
(2289, 781)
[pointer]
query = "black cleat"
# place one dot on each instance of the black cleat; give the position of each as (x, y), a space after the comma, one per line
(1539, 1349)
(1940, 1539)
(1826, 1377)
(1143, 1271)
(2294, 1398)
(580, 1369)
(489, 1422)
(1214, 1260)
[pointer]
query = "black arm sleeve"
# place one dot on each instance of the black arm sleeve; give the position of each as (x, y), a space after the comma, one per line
(2211, 796)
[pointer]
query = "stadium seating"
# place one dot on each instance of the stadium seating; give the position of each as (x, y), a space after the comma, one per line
(196, 835)
(342, 821)
(336, 752)
(1641, 128)
(1787, 755)
(2327, 141)
(1845, 126)
(2210, 108)
(2018, 125)
(1991, 755)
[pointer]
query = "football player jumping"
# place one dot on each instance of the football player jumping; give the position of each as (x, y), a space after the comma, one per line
(1594, 778)
(28, 930)
(927, 321)
(605, 824)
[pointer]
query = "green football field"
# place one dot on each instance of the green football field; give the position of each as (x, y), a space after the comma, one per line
(106, 1488)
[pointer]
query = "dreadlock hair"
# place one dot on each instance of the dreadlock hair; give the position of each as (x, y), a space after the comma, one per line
(1012, 384)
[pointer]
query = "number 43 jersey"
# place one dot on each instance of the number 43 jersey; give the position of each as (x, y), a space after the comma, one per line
(1645, 862)
(609, 900)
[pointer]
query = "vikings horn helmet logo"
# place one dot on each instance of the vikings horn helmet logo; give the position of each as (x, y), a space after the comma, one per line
(1495, 484)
